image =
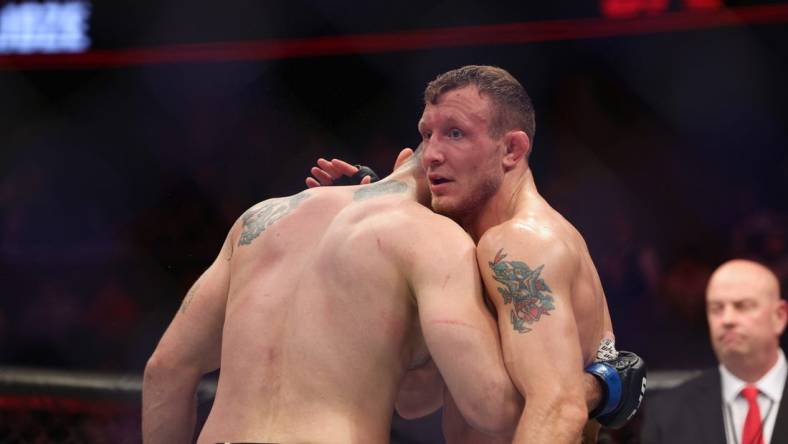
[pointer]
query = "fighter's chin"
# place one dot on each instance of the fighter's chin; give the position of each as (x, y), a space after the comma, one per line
(441, 205)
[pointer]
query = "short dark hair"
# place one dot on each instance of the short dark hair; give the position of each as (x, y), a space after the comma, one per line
(512, 108)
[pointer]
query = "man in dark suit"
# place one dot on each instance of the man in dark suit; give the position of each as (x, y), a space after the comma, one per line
(743, 401)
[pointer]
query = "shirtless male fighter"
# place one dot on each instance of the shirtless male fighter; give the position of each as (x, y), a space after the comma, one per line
(477, 131)
(477, 128)
(315, 308)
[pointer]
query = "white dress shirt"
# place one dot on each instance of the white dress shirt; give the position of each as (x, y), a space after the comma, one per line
(735, 407)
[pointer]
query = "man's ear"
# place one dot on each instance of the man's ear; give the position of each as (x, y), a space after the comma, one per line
(517, 145)
(781, 316)
(402, 157)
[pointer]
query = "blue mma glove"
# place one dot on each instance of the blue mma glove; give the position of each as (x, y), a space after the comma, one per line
(623, 381)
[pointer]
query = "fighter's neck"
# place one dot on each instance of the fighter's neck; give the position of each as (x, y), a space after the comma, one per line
(517, 190)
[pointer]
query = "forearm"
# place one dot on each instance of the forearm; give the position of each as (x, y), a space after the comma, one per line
(457, 431)
(499, 410)
(169, 404)
(478, 381)
(554, 420)
(593, 391)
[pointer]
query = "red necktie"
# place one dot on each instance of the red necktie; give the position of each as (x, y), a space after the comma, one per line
(752, 424)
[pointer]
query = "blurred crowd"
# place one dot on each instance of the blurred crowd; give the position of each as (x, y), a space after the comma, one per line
(107, 218)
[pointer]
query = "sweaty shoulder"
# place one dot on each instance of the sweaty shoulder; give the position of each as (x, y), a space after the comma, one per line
(528, 239)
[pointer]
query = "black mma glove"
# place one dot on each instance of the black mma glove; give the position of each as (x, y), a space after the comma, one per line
(623, 381)
(356, 178)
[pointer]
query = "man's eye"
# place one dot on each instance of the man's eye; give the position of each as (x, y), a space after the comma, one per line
(426, 135)
(454, 133)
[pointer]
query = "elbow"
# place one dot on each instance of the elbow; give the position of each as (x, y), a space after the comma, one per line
(162, 371)
(155, 368)
(157, 374)
(499, 412)
(495, 421)
(566, 410)
(574, 414)
(158, 366)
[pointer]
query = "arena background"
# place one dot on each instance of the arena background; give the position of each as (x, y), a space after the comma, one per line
(661, 129)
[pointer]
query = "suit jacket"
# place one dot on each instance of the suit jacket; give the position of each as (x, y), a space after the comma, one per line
(692, 413)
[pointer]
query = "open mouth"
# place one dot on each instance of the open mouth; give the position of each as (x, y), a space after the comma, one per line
(437, 180)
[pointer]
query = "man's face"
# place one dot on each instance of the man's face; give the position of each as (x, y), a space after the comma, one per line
(462, 161)
(746, 318)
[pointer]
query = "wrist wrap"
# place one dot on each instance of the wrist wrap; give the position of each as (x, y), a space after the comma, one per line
(611, 387)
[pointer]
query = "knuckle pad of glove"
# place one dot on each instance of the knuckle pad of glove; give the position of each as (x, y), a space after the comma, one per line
(632, 371)
(366, 171)
(356, 178)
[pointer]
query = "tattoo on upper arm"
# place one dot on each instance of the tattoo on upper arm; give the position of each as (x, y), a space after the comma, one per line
(379, 189)
(261, 216)
(524, 288)
(189, 296)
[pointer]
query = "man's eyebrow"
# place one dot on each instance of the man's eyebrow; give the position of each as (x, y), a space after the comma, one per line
(454, 120)
(451, 120)
(740, 300)
(743, 300)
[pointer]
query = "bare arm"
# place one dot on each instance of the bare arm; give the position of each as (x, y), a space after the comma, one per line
(189, 348)
(529, 277)
(459, 331)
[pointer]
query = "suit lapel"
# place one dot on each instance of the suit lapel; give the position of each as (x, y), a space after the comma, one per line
(780, 433)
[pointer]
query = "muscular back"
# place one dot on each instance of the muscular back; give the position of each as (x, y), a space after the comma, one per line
(320, 324)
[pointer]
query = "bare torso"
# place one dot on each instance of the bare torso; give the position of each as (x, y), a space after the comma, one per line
(320, 325)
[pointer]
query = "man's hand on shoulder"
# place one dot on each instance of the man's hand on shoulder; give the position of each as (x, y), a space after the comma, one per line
(338, 172)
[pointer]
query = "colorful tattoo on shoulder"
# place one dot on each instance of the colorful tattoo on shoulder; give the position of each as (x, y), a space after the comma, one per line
(524, 288)
(379, 189)
(261, 216)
